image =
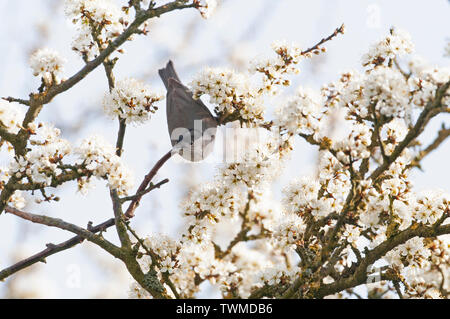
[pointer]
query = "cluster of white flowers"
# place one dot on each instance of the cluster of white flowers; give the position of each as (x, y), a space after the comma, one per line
(289, 231)
(276, 69)
(101, 18)
(302, 197)
(355, 146)
(352, 233)
(378, 108)
(11, 116)
(17, 199)
(166, 249)
(41, 163)
(185, 262)
(301, 113)
(264, 212)
(227, 195)
(259, 163)
(387, 88)
(383, 89)
(99, 158)
(376, 205)
(131, 100)
(397, 43)
(230, 92)
(424, 82)
(392, 134)
(48, 64)
(430, 206)
(256, 265)
(207, 7)
(213, 201)
(274, 276)
(411, 253)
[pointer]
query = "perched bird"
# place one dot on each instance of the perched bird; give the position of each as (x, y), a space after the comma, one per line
(192, 127)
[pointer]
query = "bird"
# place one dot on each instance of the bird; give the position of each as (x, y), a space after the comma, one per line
(192, 127)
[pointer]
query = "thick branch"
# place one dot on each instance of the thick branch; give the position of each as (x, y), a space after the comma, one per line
(442, 136)
(61, 224)
(36, 101)
(52, 249)
(360, 275)
(6, 135)
(413, 133)
(141, 17)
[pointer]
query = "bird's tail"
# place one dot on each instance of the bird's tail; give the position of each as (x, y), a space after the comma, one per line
(167, 73)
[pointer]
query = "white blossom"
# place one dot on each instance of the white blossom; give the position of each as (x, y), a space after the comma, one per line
(230, 92)
(48, 64)
(397, 43)
(103, 16)
(301, 113)
(131, 100)
(11, 116)
(430, 206)
(99, 157)
(42, 162)
(207, 8)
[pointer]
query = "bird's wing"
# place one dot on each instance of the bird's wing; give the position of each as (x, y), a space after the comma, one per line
(182, 110)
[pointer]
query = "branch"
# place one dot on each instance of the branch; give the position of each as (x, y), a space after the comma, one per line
(13, 99)
(53, 249)
(155, 261)
(242, 235)
(147, 179)
(128, 257)
(56, 181)
(6, 135)
(341, 30)
(61, 224)
(360, 274)
(413, 133)
(117, 204)
(140, 18)
(442, 136)
(149, 189)
(37, 100)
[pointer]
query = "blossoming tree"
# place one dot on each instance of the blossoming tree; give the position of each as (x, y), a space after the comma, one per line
(358, 222)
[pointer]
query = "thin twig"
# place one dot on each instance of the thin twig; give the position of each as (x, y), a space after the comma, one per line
(53, 249)
(442, 136)
(13, 99)
(149, 189)
(61, 224)
(147, 179)
(330, 37)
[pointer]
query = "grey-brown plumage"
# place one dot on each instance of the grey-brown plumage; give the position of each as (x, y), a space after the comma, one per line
(191, 125)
